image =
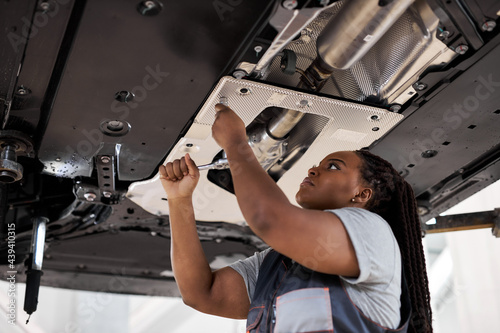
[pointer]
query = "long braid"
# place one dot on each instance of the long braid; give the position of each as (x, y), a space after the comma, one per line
(394, 200)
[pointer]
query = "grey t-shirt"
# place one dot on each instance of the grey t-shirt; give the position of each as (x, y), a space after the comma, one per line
(377, 289)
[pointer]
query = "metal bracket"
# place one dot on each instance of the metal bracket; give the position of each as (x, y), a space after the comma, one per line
(106, 164)
(470, 221)
(288, 23)
(496, 226)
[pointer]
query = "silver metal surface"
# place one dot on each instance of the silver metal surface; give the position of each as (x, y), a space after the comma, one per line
(10, 171)
(13, 144)
(280, 126)
(388, 70)
(220, 164)
(288, 23)
(358, 26)
(267, 150)
(90, 196)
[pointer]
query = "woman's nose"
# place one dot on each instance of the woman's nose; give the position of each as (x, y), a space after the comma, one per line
(312, 171)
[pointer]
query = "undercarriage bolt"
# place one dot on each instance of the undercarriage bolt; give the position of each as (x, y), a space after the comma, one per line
(290, 4)
(90, 196)
(105, 159)
(461, 49)
(10, 170)
(489, 25)
(420, 86)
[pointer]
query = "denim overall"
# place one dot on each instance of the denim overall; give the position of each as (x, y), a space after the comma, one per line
(292, 298)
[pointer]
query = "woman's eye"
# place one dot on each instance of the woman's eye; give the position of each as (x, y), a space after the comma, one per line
(333, 167)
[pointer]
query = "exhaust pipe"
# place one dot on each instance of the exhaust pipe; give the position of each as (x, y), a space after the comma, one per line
(344, 41)
(355, 29)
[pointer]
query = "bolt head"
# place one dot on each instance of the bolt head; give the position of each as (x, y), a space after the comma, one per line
(22, 91)
(489, 25)
(422, 210)
(90, 196)
(107, 194)
(290, 4)
(239, 74)
(395, 108)
(461, 49)
(149, 8)
(45, 6)
(429, 153)
(444, 34)
(105, 159)
(420, 86)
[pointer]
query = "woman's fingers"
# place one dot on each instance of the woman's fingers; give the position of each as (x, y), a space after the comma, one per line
(178, 169)
(169, 169)
(192, 169)
(163, 172)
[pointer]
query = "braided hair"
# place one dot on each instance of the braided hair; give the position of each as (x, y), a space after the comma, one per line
(394, 200)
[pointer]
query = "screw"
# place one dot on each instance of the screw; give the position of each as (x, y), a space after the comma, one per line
(289, 4)
(90, 196)
(395, 107)
(461, 49)
(149, 8)
(124, 96)
(105, 159)
(420, 86)
(443, 34)
(239, 74)
(22, 91)
(115, 125)
(375, 117)
(422, 210)
(375, 129)
(257, 50)
(429, 153)
(45, 6)
(489, 25)
(58, 159)
(107, 194)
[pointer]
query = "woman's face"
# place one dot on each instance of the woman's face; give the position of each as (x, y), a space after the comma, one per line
(333, 183)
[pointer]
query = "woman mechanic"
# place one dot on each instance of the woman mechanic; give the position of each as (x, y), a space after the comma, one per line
(334, 264)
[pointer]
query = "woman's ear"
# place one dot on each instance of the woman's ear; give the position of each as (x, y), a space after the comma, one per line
(364, 195)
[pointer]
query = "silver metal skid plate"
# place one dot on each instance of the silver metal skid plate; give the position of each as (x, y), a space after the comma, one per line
(351, 126)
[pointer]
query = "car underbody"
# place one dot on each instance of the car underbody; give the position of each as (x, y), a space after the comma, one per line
(96, 95)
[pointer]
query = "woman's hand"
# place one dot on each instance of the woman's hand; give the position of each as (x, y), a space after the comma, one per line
(228, 129)
(179, 178)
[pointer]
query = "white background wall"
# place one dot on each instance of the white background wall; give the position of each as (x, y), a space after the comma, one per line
(464, 271)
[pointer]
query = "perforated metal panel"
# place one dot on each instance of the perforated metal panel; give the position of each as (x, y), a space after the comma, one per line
(350, 126)
(388, 69)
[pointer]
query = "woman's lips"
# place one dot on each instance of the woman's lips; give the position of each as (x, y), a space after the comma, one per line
(306, 181)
